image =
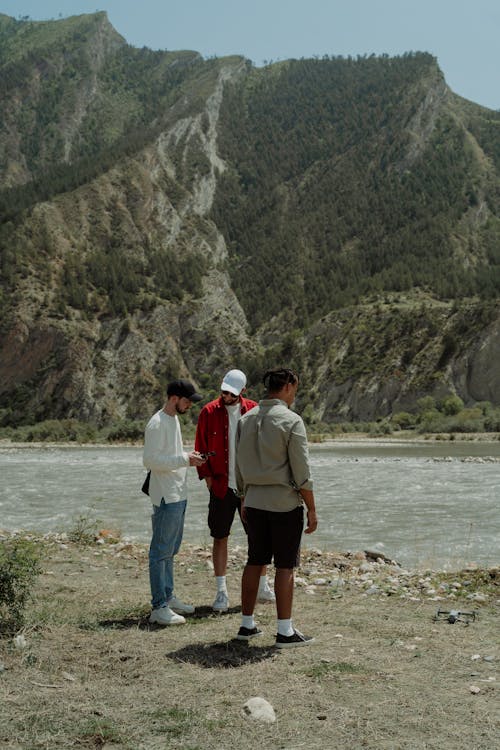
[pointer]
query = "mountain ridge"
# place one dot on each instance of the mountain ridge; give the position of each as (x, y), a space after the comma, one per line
(180, 216)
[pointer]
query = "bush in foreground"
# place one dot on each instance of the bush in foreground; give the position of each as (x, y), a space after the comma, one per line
(19, 566)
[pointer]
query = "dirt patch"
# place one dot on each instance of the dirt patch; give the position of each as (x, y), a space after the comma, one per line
(383, 672)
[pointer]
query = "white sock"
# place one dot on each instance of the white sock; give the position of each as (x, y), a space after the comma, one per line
(263, 584)
(221, 584)
(247, 621)
(285, 627)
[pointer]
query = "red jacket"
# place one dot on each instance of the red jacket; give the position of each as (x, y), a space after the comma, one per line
(212, 434)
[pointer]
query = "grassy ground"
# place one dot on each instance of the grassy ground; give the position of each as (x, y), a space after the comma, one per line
(382, 673)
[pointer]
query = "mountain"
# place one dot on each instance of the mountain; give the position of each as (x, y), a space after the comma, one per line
(163, 215)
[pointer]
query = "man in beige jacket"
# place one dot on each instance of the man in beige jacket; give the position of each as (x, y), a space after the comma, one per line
(273, 476)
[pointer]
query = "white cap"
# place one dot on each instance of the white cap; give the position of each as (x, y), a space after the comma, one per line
(234, 381)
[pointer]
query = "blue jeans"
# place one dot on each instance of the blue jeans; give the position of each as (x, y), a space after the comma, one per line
(168, 526)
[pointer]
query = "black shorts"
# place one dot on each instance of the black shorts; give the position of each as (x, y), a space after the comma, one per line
(221, 512)
(274, 535)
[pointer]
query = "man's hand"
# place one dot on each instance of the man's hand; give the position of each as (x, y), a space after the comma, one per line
(196, 459)
(312, 522)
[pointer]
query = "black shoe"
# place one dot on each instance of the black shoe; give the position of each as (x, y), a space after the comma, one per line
(245, 634)
(290, 641)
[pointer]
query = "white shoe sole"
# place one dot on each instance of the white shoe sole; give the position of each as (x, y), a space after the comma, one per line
(187, 609)
(295, 644)
(179, 620)
(249, 637)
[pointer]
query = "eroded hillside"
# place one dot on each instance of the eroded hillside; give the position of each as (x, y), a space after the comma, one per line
(164, 215)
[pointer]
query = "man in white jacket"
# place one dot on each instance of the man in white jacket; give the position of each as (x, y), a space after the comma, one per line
(165, 458)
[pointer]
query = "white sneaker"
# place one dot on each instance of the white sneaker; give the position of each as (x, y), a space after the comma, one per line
(265, 595)
(180, 607)
(221, 602)
(165, 616)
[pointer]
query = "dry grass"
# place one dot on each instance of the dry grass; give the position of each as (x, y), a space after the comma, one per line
(382, 673)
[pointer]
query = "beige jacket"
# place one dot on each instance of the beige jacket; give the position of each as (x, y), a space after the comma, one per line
(272, 457)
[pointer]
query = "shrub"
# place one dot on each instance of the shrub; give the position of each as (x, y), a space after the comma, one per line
(486, 407)
(19, 566)
(429, 420)
(492, 421)
(467, 420)
(378, 429)
(56, 431)
(84, 529)
(403, 420)
(467, 426)
(452, 405)
(426, 404)
(127, 430)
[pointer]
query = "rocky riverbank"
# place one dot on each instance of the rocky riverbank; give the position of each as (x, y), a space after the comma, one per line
(368, 571)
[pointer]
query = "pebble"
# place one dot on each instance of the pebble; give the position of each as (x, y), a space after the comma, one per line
(20, 641)
(337, 583)
(365, 567)
(474, 689)
(477, 597)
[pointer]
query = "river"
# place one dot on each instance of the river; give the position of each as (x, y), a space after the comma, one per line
(424, 504)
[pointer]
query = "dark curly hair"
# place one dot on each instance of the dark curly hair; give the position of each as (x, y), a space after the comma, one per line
(276, 379)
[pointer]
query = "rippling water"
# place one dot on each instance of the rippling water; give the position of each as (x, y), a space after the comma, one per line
(420, 503)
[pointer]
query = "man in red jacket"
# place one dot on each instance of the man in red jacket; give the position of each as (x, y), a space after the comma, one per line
(216, 435)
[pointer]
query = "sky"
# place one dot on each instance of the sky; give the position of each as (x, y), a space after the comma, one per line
(462, 34)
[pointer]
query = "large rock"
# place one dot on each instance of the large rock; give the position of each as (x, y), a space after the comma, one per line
(259, 709)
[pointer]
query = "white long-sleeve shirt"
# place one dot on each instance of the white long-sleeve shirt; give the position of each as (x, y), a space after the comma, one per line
(233, 413)
(164, 456)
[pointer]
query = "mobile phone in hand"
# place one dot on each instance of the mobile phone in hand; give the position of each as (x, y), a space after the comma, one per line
(207, 454)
